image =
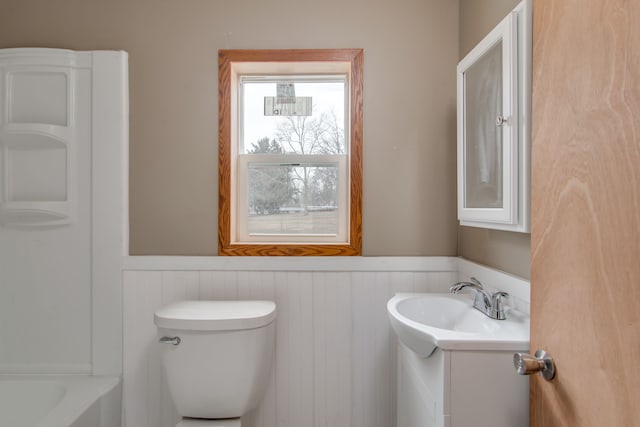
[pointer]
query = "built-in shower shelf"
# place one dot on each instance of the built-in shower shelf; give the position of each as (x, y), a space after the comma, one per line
(34, 214)
(37, 143)
(21, 131)
(37, 169)
(33, 140)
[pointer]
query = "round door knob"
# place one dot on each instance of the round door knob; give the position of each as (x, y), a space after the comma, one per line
(500, 120)
(540, 362)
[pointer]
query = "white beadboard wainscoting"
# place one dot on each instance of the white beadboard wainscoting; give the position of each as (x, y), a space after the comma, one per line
(335, 357)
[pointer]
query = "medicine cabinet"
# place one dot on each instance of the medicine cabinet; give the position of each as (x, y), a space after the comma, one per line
(494, 109)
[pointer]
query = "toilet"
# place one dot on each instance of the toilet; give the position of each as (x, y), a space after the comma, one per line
(217, 357)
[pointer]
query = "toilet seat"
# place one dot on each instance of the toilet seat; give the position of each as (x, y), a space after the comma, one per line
(197, 422)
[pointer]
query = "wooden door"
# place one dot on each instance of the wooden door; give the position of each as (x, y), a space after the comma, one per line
(585, 254)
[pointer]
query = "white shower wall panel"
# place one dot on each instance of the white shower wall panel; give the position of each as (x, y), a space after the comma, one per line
(63, 192)
(45, 301)
(45, 274)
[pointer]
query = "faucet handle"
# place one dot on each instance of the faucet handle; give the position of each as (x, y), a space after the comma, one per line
(497, 296)
(497, 305)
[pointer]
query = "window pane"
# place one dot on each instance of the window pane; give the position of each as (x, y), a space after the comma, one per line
(483, 155)
(322, 132)
(293, 199)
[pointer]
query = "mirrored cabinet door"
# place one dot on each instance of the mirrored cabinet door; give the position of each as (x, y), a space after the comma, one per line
(483, 138)
(492, 141)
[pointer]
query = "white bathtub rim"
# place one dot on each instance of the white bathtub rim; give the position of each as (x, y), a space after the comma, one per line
(81, 392)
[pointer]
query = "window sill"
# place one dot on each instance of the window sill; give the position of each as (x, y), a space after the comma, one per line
(288, 250)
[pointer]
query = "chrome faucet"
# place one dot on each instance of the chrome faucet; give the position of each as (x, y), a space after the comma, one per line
(487, 303)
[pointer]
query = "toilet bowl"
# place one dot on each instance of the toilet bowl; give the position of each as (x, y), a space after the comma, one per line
(217, 357)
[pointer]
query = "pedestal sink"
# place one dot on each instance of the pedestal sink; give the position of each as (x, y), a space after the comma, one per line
(424, 322)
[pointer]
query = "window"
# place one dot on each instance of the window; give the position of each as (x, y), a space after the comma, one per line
(290, 152)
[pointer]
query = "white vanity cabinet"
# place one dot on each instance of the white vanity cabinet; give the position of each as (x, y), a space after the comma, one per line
(494, 110)
(460, 389)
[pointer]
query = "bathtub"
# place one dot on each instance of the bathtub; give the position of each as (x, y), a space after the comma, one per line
(59, 401)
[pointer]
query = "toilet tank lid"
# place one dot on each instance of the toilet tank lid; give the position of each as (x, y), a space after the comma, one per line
(215, 315)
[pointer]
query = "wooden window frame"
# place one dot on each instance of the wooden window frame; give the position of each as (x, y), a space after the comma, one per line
(226, 60)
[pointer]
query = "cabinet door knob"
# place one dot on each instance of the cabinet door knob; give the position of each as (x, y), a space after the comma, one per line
(540, 362)
(500, 120)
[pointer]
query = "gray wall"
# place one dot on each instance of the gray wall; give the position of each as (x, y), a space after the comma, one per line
(504, 250)
(409, 104)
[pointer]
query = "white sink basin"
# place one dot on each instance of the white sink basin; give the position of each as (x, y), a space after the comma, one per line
(424, 322)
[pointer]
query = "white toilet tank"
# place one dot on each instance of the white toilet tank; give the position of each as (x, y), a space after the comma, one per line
(217, 355)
